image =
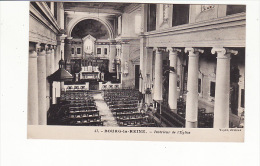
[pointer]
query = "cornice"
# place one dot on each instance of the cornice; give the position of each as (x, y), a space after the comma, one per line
(133, 7)
(223, 22)
(51, 23)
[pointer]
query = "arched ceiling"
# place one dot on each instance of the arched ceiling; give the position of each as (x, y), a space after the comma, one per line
(90, 27)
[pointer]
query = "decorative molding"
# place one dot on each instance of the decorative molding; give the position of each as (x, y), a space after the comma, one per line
(232, 51)
(133, 7)
(218, 50)
(136, 60)
(193, 51)
(198, 50)
(119, 39)
(207, 7)
(53, 25)
(218, 23)
(172, 49)
(160, 49)
(223, 53)
(73, 22)
(165, 13)
(36, 35)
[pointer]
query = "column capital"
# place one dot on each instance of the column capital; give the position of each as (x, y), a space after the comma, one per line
(48, 51)
(159, 49)
(32, 54)
(52, 49)
(193, 50)
(118, 46)
(46, 47)
(42, 53)
(38, 47)
(230, 51)
(223, 52)
(68, 40)
(172, 49)
(60, 38)
(218, 50)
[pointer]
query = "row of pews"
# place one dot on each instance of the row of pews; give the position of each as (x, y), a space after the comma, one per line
(167, 116)
(77, 108)
(205, 120)
(124, 104)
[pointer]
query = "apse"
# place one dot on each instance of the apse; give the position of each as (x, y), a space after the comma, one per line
(90, 27)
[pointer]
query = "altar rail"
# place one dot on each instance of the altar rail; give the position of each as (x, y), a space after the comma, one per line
(109, 85)
(76, 87)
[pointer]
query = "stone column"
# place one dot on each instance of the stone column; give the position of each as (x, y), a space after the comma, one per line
(57, 59)
(62, 45)
(179, 74)
(32, 89)
(48, 73)
(221, 107)
(67, 49)
(118, 57)
(53, 50)
(148, 73)
(117, 63)
(143, 55)
(158, 76)
(192, 87)
(125, 49)
(42, 114)
(172, 99)
(112, 56)
(52, 59)
(62, 49)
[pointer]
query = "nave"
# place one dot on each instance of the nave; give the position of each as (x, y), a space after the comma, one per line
(111, 108)
(133, 64)
(118, 107)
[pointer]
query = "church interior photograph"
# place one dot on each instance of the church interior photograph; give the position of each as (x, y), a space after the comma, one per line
(136, 64)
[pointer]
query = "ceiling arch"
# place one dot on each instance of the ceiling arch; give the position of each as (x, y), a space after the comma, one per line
(102, 20)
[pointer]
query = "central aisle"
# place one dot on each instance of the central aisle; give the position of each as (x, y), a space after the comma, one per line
(107, 116)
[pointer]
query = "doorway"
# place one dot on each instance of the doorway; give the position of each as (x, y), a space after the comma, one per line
(137, 69)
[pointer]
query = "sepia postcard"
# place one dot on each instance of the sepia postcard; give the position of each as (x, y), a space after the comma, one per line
(136, 71)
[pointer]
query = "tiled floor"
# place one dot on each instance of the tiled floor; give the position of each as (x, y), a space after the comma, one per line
(106, 114)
